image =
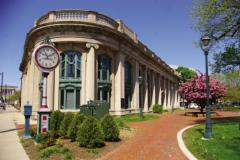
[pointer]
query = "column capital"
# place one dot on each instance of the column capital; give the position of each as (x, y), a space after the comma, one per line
(90, 45)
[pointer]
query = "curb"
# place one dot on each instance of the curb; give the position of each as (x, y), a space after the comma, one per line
(182, 145)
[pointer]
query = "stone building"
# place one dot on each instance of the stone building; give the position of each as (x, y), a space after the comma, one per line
(101, 59)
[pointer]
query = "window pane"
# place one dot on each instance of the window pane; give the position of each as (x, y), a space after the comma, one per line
(77, 98)
(62, 99)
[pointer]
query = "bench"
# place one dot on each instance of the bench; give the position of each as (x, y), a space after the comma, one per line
(195, 114)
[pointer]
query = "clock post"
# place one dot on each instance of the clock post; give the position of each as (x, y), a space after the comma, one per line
(44, 112)
(47, 58)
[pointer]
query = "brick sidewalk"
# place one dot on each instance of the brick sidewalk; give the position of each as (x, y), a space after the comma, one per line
(156, 140)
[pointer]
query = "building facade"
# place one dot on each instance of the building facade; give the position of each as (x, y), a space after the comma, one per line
(6, 91)
(101, 59)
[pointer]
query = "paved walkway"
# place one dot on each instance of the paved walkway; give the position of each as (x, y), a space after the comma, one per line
(156, 140)
(11, 148)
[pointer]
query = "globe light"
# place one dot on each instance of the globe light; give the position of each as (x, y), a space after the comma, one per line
(205, 40)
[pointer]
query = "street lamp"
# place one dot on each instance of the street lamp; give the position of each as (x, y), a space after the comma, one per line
(205, 46)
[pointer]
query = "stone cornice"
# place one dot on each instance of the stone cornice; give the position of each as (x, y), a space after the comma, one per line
(118, 34)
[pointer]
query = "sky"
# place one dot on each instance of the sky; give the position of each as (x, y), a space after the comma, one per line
(165, 26)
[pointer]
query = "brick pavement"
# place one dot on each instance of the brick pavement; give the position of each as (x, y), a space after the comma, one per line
(156, 140)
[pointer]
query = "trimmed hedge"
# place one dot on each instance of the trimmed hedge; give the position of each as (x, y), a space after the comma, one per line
(89, 133)
(157, 108)
(76, 122)
(68, 117)
(55, 121)
(109, 128)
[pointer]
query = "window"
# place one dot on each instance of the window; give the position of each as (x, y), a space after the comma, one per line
(128, 84)
(104, 80)
(70, 80)
(70, 65)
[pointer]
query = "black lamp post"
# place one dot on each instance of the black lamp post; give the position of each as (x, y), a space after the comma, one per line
(205, 46)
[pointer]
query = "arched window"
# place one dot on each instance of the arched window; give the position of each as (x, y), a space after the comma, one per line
(104, 80)
(70, 80)
(128, 84)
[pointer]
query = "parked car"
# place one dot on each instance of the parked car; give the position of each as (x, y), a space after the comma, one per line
(193, 106)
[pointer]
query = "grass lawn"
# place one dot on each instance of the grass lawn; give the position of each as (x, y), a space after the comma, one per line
(224, 145)
(136, 117)
(233, 109)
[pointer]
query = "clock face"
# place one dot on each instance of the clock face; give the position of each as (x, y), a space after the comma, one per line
(47, 57)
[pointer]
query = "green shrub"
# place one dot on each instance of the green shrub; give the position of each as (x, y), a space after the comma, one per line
(55, 122)
(157, 108)
(68, 117)
(109, 128)
(47, 152)
(89, 133)
(72, 130)
(33, 132)
(46, 139)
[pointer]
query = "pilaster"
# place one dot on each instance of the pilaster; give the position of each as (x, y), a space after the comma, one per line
(145, 90)
(91, 72)
(136, 86)
(56, 88)
(119, 81)
(153, 90)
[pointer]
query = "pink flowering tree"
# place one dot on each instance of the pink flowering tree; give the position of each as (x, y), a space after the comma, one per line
(194, 90)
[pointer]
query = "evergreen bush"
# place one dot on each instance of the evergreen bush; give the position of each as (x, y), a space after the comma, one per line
(55, 122)
(157, 108)
(72, 130)
(68, 117)
(109, 128)
(89, 133)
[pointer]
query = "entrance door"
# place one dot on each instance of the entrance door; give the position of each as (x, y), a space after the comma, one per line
(69, 99)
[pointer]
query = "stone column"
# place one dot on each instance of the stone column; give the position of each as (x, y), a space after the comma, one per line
(153, 90)
(145, 83)
(165, 92)
(160, 90)
(83, 78)
(91, 72)
(112, 77)
(30, 84)
(169, 94)
(176, 95)
(136, 86)
(119, 82)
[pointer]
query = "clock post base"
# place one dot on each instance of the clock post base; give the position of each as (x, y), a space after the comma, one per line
(43, 122)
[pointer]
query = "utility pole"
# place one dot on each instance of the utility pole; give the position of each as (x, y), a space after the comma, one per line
(1, 86)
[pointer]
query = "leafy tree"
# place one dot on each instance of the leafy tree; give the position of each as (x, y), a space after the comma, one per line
(232, 95)
(194, 90)
(232, 82)
(226, 61)
(218, 18)
(185, 73)
(16, 96)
